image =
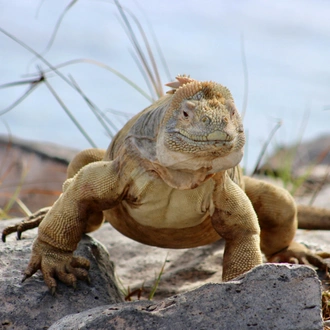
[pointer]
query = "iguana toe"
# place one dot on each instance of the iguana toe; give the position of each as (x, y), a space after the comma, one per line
(80, 262)
(27, 223)
(33, 266)
(297, 253)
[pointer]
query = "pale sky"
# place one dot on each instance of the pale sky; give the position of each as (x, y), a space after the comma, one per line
(287, 47)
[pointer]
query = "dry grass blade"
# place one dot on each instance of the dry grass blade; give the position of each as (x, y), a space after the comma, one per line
(96, 111)
(57, 26)
(68, 112)
(22, 82)
(103, 66)
(126, 115)
(23, 207)
(155, 41)
(14, 196)
(326, 305)
(39, 56)
(265, 146)
(152, 76)
(122, 117)
(131, 35)
(144, 75)
(246, 78)
(7, 152)
(121, 286)
(158, 85)
(20, 99)
(48, 85)
(105, 118)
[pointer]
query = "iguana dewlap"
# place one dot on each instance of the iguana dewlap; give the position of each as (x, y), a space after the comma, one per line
(170, 179)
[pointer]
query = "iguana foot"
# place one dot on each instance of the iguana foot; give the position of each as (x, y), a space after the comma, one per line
(297, 253)
(56, 263)
(27, 223)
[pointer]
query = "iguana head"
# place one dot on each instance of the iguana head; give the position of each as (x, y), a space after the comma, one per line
(201, 126)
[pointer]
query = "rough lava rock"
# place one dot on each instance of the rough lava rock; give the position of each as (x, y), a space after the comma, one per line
(268, 297)
(295, 292)
(30, 305)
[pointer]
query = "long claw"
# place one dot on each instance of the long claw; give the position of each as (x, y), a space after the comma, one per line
(27, 223)
(88, 280)
(25, 277)
(56, 264)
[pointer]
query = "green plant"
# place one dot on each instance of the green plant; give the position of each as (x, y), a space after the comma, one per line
(157, 280)
(128, 294)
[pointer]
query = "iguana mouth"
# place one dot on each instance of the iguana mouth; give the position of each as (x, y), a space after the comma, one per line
(216, 136)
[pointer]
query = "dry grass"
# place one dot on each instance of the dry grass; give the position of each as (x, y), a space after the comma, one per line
(326, 305)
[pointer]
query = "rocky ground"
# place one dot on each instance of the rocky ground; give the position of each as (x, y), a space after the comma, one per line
(137, 267)
(277, 297)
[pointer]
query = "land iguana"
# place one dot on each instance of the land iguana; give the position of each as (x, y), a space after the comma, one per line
(170, 178)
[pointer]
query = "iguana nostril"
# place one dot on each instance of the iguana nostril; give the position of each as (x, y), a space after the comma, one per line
(206, 120)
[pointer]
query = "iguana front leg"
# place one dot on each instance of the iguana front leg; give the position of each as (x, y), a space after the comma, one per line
(235, 220)
(96, 187)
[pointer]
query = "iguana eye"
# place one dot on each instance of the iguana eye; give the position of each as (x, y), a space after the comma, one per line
(232, 109)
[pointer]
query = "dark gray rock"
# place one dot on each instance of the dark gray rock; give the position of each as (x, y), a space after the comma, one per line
(30, 305)
(268, 297)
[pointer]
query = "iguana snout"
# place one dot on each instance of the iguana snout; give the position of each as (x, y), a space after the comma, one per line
(201, 121)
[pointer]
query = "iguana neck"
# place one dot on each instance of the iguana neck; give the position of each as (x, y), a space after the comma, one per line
(182, 179)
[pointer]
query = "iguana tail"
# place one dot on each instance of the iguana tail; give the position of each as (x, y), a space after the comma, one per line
(310, 217)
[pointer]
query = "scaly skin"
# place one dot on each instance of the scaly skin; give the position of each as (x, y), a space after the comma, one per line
(170, 179)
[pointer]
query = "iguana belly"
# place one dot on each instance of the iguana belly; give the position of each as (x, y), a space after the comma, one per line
(160, 206)
(154, 213)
